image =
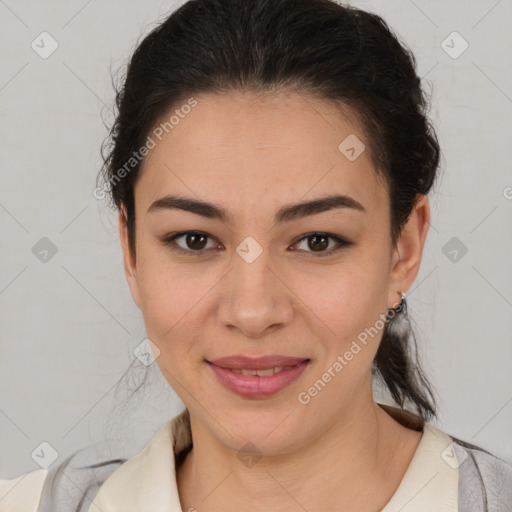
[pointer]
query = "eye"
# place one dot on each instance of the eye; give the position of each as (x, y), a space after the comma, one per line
(196, 241)
(320, 241)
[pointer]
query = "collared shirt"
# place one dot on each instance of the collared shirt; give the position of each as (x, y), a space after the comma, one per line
(147, 481)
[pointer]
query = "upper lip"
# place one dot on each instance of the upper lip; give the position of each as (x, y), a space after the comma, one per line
(241, 362)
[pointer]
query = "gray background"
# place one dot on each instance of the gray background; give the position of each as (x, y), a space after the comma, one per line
(68, 324)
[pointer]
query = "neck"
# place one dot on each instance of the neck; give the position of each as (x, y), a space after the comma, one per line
(357, 464)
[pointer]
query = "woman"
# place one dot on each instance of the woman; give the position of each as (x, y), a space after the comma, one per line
(271, 162)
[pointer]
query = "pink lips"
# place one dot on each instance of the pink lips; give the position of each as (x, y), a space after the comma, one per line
(255, 386)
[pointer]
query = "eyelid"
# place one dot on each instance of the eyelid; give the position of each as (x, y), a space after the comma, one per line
(340, 241)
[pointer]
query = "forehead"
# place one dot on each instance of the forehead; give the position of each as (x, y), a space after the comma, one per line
(249, 150)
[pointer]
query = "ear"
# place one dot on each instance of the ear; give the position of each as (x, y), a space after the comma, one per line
(408, 251)
(130, 267)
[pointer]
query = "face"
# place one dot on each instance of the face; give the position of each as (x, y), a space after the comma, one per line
(312, 283)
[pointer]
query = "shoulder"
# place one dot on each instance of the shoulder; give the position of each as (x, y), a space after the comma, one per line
(485, 479)
(66, 487)
(72, 485)
(23, 493)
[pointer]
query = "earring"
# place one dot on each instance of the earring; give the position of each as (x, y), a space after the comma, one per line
(398, 325)
(402, 305)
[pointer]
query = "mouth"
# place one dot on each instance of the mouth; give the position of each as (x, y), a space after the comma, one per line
(257, 378)
(261, 373)
(262, 363)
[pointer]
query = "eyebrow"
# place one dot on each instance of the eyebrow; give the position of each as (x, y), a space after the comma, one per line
(287, 213)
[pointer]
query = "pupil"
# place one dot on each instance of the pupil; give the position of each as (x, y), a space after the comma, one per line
(193, 245)
(316, 238)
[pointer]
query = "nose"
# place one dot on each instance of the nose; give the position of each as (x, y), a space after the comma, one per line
(257, 299)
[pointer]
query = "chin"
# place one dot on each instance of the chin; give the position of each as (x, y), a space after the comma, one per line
(271, 432)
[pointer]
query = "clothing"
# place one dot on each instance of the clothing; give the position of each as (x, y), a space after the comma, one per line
(446, 474)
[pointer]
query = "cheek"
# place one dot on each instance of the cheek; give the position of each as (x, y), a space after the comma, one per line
(162, 291)
(173, 298)
(354, 310)
(166, 307)
(349, 297)
(353, 305)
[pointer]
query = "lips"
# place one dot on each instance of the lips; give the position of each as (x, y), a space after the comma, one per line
(260, 377)
(270, 362)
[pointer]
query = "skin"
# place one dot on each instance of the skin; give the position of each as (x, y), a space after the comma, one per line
(252, 155)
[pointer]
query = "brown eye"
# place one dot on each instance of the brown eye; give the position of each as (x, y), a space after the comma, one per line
(193, 242)
(318, 243)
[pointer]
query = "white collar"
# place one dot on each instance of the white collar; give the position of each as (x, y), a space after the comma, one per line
(147, 481)
(431, 481)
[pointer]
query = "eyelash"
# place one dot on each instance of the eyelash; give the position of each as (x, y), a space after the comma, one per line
(169, 241)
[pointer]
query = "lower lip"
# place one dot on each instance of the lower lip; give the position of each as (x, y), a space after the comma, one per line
(254, 386)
